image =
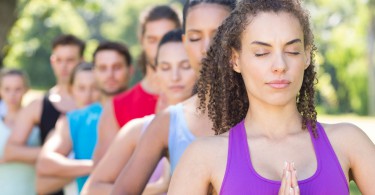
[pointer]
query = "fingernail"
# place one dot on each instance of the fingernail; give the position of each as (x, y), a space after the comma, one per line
(293, 166)
(291, 190)
(287, 174)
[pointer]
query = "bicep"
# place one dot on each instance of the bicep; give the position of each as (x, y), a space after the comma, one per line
(60, 140)
(147, 154)
(107, 130)
(117, 155)
(362, 160)
(27, 118)
(192, 173)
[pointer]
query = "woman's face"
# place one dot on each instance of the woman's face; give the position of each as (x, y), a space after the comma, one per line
(84, 90)
(12, 89)
(202, 22)
(175, 74)
(273, 58)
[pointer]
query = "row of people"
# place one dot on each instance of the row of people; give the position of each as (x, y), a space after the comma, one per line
(255, 89)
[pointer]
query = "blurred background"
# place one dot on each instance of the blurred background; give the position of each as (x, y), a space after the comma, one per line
(344, 33)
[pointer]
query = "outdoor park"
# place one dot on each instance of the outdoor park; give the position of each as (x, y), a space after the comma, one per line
(344, 33)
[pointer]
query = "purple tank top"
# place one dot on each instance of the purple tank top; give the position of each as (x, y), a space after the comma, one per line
(241, 178)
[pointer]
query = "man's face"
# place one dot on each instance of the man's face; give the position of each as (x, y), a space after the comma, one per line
(63, 60)
(111, 72)
(154, 32)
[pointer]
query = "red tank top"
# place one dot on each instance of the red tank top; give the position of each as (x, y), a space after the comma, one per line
(134, 103)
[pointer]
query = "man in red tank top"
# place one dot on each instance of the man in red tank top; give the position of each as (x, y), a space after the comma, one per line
(140, 100)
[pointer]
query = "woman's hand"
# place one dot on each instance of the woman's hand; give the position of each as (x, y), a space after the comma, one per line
(289, 182)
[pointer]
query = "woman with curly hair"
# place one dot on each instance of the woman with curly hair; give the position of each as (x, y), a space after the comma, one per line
(257, 85)
(174, 129)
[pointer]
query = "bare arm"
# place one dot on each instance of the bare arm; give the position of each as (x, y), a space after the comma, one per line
(193, 172)
(162, 184)
(362, 159)
(153, 144)
(53, 160)
(107, 130)
(102, 179)
(49, 185)
(16, 148)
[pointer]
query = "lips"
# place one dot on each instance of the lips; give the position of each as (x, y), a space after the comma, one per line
(176, 88)
(279, 84)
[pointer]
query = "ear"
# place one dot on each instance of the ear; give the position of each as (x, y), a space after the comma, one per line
(235, 61)
(51, 60)
(130, 70)
(307, 56)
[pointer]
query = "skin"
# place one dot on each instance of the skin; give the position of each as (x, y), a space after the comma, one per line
(12, 90)
(84, 90)
(177, 79)
(202, 19)
(108, 126)
(63, 60)
(204, 162)
(54, 165)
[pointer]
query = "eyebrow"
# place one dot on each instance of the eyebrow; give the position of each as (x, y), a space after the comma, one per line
(269, 45)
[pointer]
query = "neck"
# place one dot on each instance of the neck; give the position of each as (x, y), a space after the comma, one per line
(105, 98)
(150, 82)
(61, 89)
(272, 121)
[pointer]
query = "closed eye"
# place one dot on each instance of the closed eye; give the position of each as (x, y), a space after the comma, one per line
(294, 53)
(260, 54)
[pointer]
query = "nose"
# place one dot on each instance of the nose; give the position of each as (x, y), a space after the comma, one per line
(279, 64)
(205, 46)
(176, 74)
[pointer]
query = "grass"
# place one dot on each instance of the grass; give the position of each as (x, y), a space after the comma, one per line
(353, 189)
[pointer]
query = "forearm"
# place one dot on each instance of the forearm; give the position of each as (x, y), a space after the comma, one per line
(61, 166)
(158, 187)
(97, 188)
(48, 185)
(21, 153)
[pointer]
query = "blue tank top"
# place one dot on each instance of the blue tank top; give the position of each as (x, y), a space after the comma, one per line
(17, 178)
(83, 131)
(241, 177)
(180, 137)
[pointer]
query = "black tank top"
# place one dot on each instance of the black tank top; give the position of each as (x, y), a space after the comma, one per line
(47, 122)
(48, 119)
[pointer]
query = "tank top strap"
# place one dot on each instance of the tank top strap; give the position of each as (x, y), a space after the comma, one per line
(237, 160)
(327, 159)
(48, 118)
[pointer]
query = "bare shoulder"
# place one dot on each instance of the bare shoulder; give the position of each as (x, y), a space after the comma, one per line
(209, 148)
(344, 131)
(348, 138)
(161, 122)
(133, 128)
(34, 108)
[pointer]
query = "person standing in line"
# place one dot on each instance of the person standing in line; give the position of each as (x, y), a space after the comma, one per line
(176, 78)
(67, 53)
(15, 177)
(257, 85)
(175, 128)
(84, 92)
(141, 100)
(77, 132)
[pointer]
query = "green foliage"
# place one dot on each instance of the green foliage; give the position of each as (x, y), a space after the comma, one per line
(340, 31)
(39, 23)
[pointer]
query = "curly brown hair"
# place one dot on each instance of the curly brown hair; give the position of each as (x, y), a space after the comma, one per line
(222, 91)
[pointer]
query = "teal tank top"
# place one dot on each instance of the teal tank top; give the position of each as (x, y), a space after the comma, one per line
(180, 137)
(83, 131)
(17, 178)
